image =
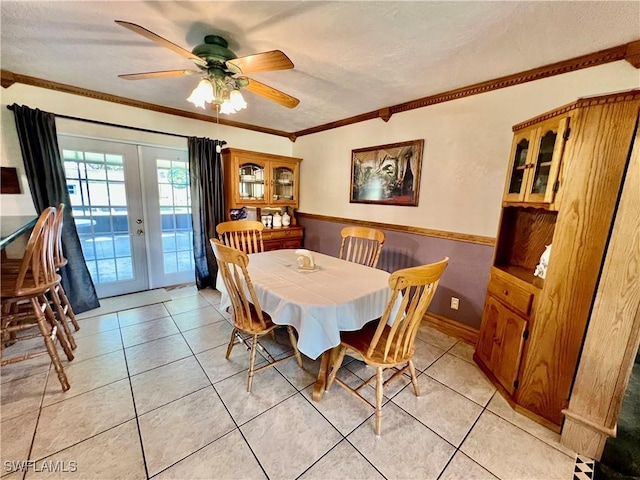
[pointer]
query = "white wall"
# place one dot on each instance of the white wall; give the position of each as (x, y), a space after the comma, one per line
(466, 152)
(77, 106)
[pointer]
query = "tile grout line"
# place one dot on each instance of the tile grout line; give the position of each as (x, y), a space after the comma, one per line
(35, 428)
(344, 437)
(133, 401)
(237, 427)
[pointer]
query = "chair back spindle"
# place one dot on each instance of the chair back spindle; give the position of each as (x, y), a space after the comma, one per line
(416, 286)
(58, 254)
(361, 245)
(233, 268)
(245, 235)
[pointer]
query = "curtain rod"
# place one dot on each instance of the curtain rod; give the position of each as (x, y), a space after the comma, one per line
(108, 124)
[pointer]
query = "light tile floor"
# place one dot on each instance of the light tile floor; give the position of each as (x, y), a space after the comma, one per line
(152, 396)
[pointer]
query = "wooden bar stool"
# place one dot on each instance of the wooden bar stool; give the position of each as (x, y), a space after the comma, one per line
(24, 298)
(59, 296)
(60, 302)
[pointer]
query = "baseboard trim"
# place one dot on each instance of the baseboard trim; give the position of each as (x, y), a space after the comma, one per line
(452, 328)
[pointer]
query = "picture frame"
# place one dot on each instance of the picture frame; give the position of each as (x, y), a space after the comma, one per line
(387, 174)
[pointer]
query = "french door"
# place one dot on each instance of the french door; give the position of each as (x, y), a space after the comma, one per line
(132, 209)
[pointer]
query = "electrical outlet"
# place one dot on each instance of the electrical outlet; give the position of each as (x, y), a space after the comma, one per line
(455, 303)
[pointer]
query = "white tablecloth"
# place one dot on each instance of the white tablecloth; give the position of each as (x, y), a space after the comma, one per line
(337, 296)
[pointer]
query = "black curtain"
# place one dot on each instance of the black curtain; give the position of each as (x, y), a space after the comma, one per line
(207, 204)
(45, 173)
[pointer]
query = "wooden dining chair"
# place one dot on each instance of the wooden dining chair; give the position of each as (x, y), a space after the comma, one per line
(24, 298)
(248, 318)
(245, 235)
(361, 245)
(382, 346)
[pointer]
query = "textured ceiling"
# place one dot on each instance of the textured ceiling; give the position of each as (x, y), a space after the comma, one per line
(350, 57)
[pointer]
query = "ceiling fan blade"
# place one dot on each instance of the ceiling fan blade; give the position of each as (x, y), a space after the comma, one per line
(165, 73)
(272, 94)
(262, 62)
(161, 41)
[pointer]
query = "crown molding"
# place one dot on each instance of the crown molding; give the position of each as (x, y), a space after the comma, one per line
(629, 52)
(584, 102)
(8, 78)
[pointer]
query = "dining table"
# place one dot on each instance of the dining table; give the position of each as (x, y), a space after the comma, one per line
(335, 296)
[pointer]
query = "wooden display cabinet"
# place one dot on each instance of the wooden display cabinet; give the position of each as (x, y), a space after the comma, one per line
(536, 156)
(562, 190)
(264, 181)
(260, 179)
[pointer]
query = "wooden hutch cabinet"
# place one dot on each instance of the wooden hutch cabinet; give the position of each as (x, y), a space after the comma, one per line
(566, 171)
(268, 183)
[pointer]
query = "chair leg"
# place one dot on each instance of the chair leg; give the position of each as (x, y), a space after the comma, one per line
(252, 361)
(294, 344)
(379, 387)
(62, 317)
(232, 342)
(336, 366)
(51, 348)
(54, 323)
(414, 379)
(65, 304)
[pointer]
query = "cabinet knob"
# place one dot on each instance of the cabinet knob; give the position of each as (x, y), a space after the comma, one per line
(506, 292)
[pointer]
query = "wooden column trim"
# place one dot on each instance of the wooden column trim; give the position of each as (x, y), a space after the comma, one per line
(613, 332)
(610, 432)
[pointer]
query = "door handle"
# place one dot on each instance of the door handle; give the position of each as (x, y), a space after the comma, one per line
(139, 231)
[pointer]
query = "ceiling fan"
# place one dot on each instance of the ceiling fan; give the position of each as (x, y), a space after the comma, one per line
(223, 72)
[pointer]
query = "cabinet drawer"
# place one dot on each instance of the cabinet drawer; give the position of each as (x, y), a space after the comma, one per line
(292, 243)
(285, 233)
(511, 294)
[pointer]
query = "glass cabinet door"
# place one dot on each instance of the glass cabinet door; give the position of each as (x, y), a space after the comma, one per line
(283, 183)
(251, 182)
(520, 165)
(546, 166)
(543, 162)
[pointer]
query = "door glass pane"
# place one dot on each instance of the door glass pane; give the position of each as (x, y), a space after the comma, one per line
(282, 183)
(543, 162)
(519, 166)
(95, 182)
(175, 214)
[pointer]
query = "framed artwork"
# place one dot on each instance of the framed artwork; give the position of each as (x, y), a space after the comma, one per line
(388, 174)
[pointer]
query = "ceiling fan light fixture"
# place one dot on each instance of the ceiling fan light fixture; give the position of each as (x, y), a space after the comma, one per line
(202, 94)
(225, 97)
(237, 100)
